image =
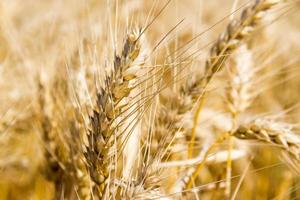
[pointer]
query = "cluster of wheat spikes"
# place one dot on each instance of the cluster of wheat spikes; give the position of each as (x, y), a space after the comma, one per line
(125, 100)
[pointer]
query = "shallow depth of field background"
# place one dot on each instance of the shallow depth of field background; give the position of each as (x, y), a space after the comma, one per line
(53, 40)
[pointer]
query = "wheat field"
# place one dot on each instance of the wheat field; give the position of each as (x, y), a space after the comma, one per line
(149, 99)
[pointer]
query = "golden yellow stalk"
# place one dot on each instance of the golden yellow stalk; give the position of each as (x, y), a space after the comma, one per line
(237, 31)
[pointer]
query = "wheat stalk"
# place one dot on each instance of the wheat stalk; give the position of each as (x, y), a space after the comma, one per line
(238, 95)
(237, 31)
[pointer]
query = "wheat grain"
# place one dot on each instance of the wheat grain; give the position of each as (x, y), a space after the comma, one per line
(272, 132)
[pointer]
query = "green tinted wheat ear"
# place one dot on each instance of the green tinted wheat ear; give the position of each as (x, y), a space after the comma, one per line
(270, 132)
(103, 127)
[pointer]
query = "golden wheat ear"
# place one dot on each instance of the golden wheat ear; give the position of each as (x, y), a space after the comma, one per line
(62, 131)
(103, 121)
(271, 132)
(236, 32)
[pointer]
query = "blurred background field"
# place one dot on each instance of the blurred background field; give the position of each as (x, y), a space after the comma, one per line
(48, 48)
